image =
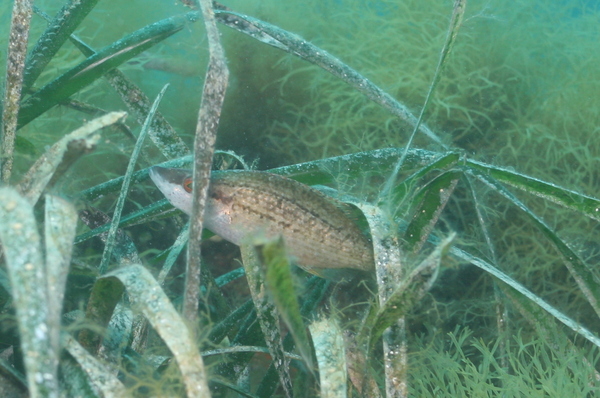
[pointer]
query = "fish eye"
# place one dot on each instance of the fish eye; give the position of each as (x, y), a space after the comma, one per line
(187, 185)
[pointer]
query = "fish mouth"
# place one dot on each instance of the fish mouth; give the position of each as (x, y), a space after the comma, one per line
(171, 183)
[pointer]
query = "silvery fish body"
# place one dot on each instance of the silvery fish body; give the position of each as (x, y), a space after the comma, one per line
(317, 234)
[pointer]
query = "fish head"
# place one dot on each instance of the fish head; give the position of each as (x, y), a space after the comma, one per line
(176, 185)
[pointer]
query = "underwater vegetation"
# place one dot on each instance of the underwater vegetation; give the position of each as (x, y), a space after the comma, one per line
(483, 227)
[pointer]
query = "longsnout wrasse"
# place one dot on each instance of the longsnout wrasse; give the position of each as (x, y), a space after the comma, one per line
(318, 235)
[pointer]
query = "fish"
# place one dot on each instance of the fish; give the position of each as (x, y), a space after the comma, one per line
(318, 235)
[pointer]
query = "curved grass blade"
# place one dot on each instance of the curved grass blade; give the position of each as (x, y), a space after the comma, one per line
(586, 205)
(278, 278)
(268, 316)
(458, 13)
(101, 377)
(98, 64)
(585, 278)
(25, 265)
(110, 238)
(296, 45)
(66, 150)
(527, 294)
(15, 65)
(331, 355)
(354, 165)
(315, 172)
(147, 296)
(66, 21)
(430, 201)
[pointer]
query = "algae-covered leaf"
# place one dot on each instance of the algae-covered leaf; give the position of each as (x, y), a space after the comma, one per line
(26, 270)
(278, 278)
(59, 231)
(98, 64)
(66, 21)
(407, 294)
(12, 87)
(331, 356)
(101, 376)
(354, 165)
(147, 296)
(267, 313)
(430, 201)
